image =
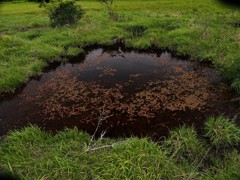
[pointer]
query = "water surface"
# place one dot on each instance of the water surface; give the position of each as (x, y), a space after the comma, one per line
(142, 94)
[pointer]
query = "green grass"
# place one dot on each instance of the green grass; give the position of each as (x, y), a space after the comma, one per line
(222, 132)
(199, 29)
(184, 143)
(70, 154)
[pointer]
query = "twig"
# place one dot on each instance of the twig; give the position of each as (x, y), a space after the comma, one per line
(106, 146)
(100, 119)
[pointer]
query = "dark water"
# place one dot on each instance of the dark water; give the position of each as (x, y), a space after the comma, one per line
(134, 94)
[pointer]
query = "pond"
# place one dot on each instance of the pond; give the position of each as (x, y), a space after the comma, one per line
(124, 91)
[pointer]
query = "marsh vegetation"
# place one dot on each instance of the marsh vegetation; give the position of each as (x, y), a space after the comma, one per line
(132, 91)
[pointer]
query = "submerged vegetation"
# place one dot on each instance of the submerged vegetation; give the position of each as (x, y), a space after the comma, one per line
(35, 154)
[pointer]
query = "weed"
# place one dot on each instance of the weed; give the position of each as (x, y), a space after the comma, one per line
(184, 144)
(108, 4)
(222, 132)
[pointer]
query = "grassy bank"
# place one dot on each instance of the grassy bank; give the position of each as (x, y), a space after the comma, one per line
(201, 29)
(34, 154)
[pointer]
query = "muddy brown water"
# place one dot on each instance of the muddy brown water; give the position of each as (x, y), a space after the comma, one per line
(135, 94)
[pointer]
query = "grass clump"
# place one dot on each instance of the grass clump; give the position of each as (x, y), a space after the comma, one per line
(184, 144)
(222, 132)
(64, 13)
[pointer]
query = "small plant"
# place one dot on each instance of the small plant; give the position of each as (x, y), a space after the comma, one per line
(183, 143)
(64, 13)
(136, 30)
(108, 4)
(222, 132)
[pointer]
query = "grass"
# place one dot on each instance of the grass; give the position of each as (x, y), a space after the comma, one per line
(200, 29)
(70, 154)
(183, 143)
(222, 132)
